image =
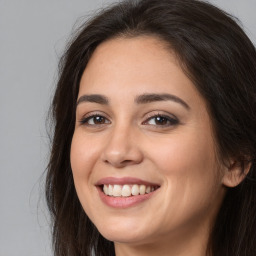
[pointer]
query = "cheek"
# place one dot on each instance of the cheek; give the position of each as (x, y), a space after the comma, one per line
(184, 155)
(83, 156)
(190, 170)
(84, 153)
(193, 190)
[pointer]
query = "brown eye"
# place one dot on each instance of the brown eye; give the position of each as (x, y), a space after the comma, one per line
(95, 120)
(99, 119)
(160, 120)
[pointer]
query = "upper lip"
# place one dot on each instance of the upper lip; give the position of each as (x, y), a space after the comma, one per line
(123, 181)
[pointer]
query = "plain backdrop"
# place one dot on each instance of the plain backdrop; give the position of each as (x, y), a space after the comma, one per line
(33, 34)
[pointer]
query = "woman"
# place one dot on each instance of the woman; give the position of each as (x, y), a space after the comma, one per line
(154, 143)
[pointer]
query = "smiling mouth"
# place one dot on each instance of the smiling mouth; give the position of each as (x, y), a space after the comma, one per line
(127, 190)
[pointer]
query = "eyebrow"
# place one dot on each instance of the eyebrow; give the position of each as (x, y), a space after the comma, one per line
(141, 99)
(94, 98)
(153, 97)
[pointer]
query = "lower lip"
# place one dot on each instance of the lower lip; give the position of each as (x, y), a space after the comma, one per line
(124, 202)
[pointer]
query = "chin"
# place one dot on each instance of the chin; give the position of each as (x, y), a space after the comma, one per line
(126, 233)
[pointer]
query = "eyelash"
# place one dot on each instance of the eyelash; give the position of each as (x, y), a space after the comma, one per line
(85, 120)
(169, 121)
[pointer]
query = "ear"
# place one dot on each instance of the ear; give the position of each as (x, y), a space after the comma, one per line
(235, 173)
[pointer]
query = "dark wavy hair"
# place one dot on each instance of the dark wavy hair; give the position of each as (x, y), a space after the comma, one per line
(218, 57)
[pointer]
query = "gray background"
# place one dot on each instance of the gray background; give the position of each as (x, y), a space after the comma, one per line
(33, 34)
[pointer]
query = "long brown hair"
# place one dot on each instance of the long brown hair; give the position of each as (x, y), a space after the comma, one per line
(221, 61)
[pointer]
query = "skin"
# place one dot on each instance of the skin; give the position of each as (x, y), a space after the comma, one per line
(180, 157)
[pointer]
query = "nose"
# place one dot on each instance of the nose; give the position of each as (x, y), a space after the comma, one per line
(121, 148)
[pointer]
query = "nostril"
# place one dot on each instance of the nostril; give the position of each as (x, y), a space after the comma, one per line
(120, 164)
(121, 153)
(126, 162)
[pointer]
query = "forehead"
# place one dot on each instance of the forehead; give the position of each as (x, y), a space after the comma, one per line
(132, 66)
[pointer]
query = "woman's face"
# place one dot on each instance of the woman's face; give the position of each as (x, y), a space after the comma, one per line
(144, 135)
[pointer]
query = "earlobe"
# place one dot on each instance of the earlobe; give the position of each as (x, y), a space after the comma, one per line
(235, 173)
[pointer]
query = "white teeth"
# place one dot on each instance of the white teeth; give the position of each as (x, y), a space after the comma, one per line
(142, 189)
(105, 189)
(117, 190)
(135, 190)
(127, 190)
(110, 190)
